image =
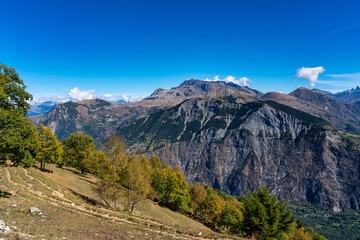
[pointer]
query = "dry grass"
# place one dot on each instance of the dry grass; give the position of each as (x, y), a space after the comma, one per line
(53, 193)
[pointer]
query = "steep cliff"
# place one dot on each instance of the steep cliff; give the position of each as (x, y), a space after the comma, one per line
(234, 142)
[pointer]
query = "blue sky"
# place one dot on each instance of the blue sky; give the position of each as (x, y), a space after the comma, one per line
(133, 47)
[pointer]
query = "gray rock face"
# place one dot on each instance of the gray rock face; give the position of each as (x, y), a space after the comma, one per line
(235, 147)
(4, 229)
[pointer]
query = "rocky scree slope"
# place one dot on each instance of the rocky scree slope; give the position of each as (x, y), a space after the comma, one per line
(234, 143)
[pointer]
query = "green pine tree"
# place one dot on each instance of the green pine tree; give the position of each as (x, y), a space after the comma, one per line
(265, 216)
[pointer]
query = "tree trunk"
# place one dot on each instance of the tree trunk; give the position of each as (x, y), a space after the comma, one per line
(106, 202)
(115, 202)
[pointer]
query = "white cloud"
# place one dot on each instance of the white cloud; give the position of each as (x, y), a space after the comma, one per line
(76, 94)
(128, 98)
(40, 100)
(310, 74)
(241, 81)
(346, 76)
(106, 95)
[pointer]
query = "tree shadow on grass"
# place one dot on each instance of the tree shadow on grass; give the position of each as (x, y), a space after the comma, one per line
(4, 194)
(86, 198)
(75, 172)
(43, 170)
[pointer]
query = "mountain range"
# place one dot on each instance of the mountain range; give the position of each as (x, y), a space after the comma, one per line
(235, 138)
(352, 95)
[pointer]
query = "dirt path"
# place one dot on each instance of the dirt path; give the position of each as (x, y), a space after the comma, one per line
(55, 193)
(7, 173)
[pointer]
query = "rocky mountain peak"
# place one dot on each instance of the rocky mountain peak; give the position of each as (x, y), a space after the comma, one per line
(158, 91)
(94, 103)
(308, 94)
(356, 89)
(276, 96)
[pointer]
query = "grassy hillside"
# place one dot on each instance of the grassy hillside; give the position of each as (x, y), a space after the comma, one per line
(70, 210)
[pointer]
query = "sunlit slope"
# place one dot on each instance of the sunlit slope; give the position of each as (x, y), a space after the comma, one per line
(70, 210)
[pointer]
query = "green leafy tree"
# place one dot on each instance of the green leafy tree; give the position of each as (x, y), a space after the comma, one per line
(265, 216)
(96, 162)
(231, 217)
(18, 141)
(50, 150)
(76, 150)
(171, 188)
(12, 91)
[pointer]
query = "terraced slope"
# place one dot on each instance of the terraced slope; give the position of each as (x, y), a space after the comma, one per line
(70, 210)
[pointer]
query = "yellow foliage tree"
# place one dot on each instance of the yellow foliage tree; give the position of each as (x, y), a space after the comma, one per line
(50, 150)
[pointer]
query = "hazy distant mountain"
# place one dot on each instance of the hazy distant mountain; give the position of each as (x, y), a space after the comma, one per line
(234, 142)
(41, 108)
(323, 91)
(351, 96)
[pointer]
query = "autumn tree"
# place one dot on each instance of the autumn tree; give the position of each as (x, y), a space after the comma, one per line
(265, 216)
(136, 180)
(113, 170)
(211, 208)
(121, 174)
(76, 150)
(114, 149)
(18, 141)
(197, 197)
(50, 150)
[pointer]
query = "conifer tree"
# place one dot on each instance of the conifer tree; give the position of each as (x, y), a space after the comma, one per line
(265, 216)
